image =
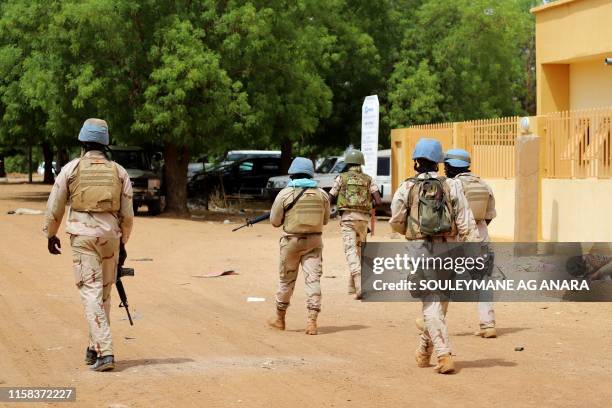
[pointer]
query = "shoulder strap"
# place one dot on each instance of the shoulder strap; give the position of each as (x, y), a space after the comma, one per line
(295, 200)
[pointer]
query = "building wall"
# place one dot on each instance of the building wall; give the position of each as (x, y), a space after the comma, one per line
(568, 32)
(572, 210)
(590, 84)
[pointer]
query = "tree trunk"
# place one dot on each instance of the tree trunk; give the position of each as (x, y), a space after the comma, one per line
(176, 160)
(285, 154)
(62, 158)
(48, 157)
(30, 162)
(2, 170)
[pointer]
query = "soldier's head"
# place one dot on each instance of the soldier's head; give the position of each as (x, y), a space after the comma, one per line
(300, 168)
(94, 134)
(353, 158)
(426, 155)
(456, 161)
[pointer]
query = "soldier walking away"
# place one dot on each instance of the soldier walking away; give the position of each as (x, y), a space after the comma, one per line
(356, 195)
(302, 209)
(482, 203)
(430, 208)
(99, 224)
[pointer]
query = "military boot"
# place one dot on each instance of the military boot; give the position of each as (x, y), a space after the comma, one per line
(311, 324)
(90, 356)
(105, 363)
(488, 333)
(357, 280)
(420, 324)
(279, 321)
(445, 364)
(351, 285)
(422, 358)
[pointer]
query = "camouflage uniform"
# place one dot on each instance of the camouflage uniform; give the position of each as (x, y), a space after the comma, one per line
(486, 313)
(95, 239)
(435, 337)
(296, 250)
(354, 230)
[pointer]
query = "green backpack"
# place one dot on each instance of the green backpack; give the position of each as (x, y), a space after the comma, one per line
(429, 209)
(354, 194)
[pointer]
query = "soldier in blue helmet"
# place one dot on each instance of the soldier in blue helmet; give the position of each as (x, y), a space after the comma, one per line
(482, 203)
(302, 209)
(99, 222)
(431, 208)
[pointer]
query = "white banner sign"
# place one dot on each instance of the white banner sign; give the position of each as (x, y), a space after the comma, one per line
(369, 134)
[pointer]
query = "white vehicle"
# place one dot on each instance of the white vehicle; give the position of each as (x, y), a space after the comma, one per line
(41, 168)
(326, 180)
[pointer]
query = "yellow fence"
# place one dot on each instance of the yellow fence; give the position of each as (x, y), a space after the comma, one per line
(574, 144)
(491, 145)
(577, 144)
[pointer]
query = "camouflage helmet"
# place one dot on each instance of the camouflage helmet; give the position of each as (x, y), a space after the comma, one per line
(354, 156)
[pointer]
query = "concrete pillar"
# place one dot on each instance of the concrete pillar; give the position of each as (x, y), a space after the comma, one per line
(527, 191)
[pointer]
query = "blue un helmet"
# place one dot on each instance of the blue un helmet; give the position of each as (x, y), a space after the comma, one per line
(94, 131)
(457, 158)
(429, 149)
(301, 165)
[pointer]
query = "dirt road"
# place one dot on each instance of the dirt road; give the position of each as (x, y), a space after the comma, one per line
(198, 342)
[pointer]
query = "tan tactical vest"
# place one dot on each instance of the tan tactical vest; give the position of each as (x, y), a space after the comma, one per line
(413, 231)
(476, 193)
(95, 186)
(306, 216)
(354, 194)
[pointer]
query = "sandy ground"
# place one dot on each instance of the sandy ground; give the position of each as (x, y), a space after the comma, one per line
(199, 343)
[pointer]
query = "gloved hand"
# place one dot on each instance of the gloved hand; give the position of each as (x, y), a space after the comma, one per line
(122, 254)
(53, 245)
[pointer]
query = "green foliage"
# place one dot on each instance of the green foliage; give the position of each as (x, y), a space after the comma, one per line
(462, 60)
(213, 75)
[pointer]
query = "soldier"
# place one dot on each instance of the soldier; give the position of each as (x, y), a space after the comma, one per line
(454, 222)
(99, 224)
(302, 209)
(355, 192)
(482, 203)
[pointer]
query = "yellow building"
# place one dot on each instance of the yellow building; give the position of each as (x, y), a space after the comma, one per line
(573, 38)
(573, 128)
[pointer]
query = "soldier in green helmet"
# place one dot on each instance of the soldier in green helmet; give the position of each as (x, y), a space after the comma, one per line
(356, 194)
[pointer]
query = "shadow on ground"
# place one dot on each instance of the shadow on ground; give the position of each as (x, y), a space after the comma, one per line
(336, 329)
(483, 363)
(501, 331)
(126, 364)
(38, 197)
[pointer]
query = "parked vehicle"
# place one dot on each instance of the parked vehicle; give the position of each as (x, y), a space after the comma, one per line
(326, 179)
(145, 171)
(245, 178)
(41, 168)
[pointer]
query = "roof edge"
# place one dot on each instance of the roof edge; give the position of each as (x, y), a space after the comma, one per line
(554, 4)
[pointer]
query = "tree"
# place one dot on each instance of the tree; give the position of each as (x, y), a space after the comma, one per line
(188, 95)
(279, 50)
(461, 60)
(22, 122)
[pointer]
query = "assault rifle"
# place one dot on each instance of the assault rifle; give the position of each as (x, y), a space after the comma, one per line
(121, 272)
(250, 222)
(266, 216)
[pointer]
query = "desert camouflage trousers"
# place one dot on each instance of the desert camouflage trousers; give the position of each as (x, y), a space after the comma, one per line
(354, 233)
(486, 315)
(435, 336)
(304, 250)
(94, 262)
